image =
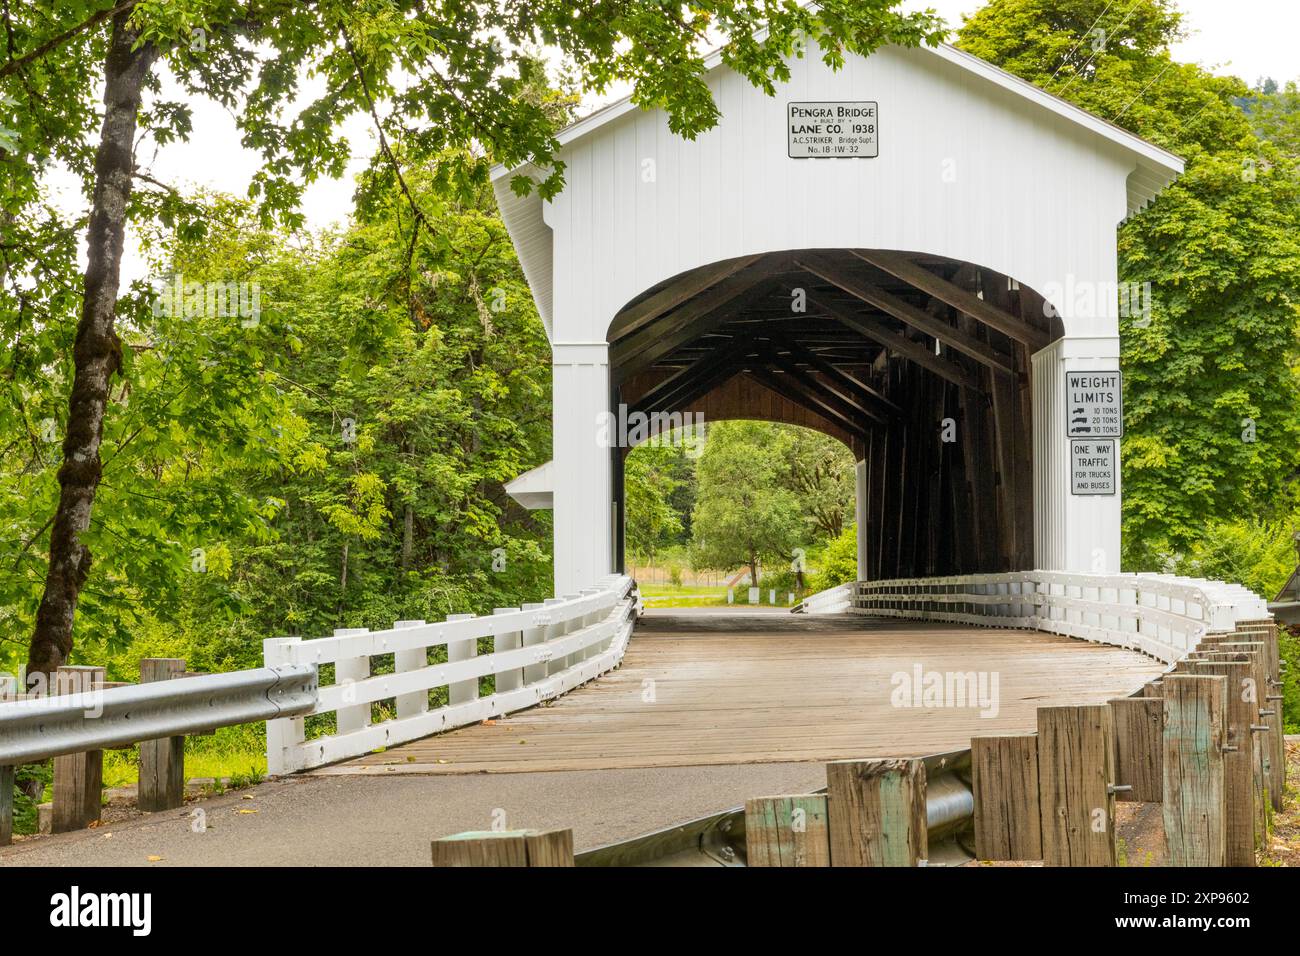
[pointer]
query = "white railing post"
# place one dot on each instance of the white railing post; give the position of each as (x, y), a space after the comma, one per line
(534, 636)
(285, 734)
(404, 661)
(513, 678)
(347, 671)
(462, 691)
(554, 629)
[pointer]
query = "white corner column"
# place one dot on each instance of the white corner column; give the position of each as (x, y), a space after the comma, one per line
(583, 466)
(1072, 531)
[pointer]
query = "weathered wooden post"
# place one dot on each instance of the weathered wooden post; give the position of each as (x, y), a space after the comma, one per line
(78, 778)
(7, 784)
(1139, 746)
(1004, 782)
(162, 762)
(1195, 798)
(787, 831)
(1239, 758)
(505, 848)
(1076, 777)
(877, 812)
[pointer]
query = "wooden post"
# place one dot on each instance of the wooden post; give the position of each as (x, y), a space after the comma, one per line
(787, 831)
(877, 812)
(1271, 743)
(78, 778)
(1004, 781)
(1195, 799)
(1139, 747)
(162, 762)
(1239, 758)
(505, 848)
(6, 805)
(1076, 747)
(532, 637)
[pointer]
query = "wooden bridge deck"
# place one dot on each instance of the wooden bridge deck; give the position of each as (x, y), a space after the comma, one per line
(701, 689)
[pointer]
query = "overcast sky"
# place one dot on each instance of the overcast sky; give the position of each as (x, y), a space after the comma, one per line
(1250, 38)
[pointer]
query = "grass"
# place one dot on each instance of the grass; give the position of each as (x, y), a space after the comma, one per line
(685, 595)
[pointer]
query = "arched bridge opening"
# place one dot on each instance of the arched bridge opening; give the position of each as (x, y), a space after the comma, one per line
(919, 363)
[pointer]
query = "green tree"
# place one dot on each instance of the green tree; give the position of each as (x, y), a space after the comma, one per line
(1212, 410)
(820, 471)
(435, 81)
(744, 514)
(649, 483)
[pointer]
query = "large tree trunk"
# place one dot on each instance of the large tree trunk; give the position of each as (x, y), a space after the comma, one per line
(97, 353)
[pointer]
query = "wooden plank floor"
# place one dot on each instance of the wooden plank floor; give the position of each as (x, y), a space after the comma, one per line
(732, 688)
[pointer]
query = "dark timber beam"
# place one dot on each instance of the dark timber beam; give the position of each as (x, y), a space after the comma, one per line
(898, 344)
(668, 393)
(908, 314)
(665, 300)
(827, 393)
(785, 387)
(696, 318)
(871, 401)
(903, 268)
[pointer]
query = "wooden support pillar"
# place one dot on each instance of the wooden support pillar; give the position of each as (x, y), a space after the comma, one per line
(1241, 761)
(505, 848)
(78, 778)
(787, 831)
(877, 812)
(1263, 651)
(1076, 747)
(1004, 781)
(7, 784)
(1139, 747)
(162, 762)
(1195, 798)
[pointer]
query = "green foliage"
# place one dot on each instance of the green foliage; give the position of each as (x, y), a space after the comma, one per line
(1289, 651)
(1259, 554)
(744, 515)
(837, 563)
(650, 480)
(1212, 408)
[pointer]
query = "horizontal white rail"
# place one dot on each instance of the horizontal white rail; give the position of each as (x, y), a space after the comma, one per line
(1162, 615)
(44, 727)
(539, 652)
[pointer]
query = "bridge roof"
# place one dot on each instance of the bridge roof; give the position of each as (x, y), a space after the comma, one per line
(1154, 167)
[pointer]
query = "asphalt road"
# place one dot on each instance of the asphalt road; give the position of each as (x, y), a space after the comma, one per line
(389, 821)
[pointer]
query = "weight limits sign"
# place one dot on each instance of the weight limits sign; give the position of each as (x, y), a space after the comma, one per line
(832, 130)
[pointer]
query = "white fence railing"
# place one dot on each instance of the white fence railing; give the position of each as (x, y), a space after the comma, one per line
(1158, 614)
(539, 651)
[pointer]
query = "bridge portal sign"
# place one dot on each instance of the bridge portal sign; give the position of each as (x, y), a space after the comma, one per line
(1092, 466)
(1094, 405)
(843, 130)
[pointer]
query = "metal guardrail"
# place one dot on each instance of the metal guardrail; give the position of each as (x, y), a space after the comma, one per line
(718, 839)
(44, 727)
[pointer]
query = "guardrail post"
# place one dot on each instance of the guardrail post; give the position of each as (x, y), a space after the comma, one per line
(1139, 747)
(877, 812)
(406, 660)
(285, 734)
(347, 671)
(162, 762)
(553, 630)
(1004, 784)
(7, 785)
(505, 848)
(532, 637)
(462, 691)
(1076, 773)
(1260, 648)
(513, 678)
(787, 831)
(78, 778)
(1239, 759)
(1195, 798)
